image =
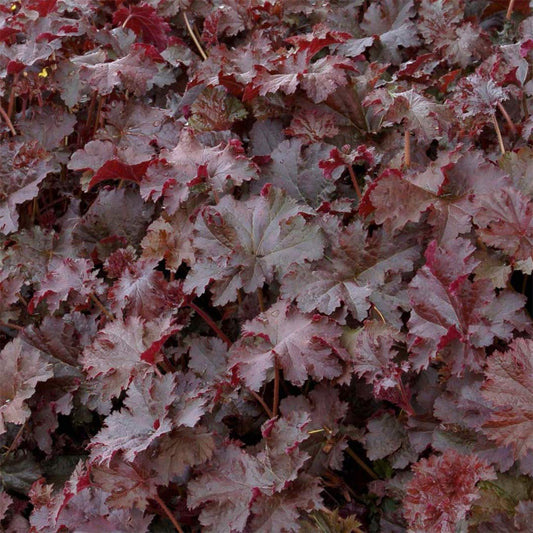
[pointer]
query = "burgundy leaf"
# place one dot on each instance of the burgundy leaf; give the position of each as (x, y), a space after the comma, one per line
(302, 345)
(144, 21)
(23, 367)
(507, 387)
(116, 355)
(72, 279)
(24, 167)
(243, 245)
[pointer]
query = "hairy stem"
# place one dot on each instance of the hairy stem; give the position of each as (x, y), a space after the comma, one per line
(168, 512)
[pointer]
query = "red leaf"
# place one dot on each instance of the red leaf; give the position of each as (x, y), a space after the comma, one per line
(115, 169)
(144, 21)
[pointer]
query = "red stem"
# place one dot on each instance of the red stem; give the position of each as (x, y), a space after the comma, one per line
(275, 401)
(8, 121)
(211, 323)
(168, 512)
(507, 118)
(354, 182)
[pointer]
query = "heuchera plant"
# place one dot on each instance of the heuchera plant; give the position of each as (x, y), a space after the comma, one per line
(266, 266)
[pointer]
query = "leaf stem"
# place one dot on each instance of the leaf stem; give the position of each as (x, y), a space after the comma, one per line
(361, 463)
(507, 118)
(8, 121)
(193, 37)
(168, 512)
(275, 401)
(498, 133)
(211, 323)
(510, 10)
(261, 402)
(13, 444)
(260, 299)
(101, 306)
(407, 148)
(11, 103)
(354, 181)
(98, 113)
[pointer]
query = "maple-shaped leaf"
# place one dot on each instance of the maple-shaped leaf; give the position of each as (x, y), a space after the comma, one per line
(387, 437)
(443, 489)
(169, 238)
(145, 22)
(281, 512)
(190, 162)
(23, 367)
(295, 168)
(143, 291)
(325, 443)
(505, 221)
(320, 37)
(72, 279)
(346, 157)
(116, 218)
(373, 357)
(215, 110)
(93, 155)
(24, 167)
(420, 115)
(449, 189)
(208, 357)
(313, 125)
(49, 126)
(477, 96)
(441, 24)
(134, 72)
(241, 245)
(226, 489)
(180, 449)
(452, 314)
(302, 345)
(359, 271)
(281, 457)
(318, 79)
(138, 131)
(391, 21)
(508, 388)
(122, 350)
(78, 505)
(142, 420)
(234, 480)
(128, 485)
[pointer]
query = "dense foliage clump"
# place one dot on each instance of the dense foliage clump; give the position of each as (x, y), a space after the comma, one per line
(265, 265)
